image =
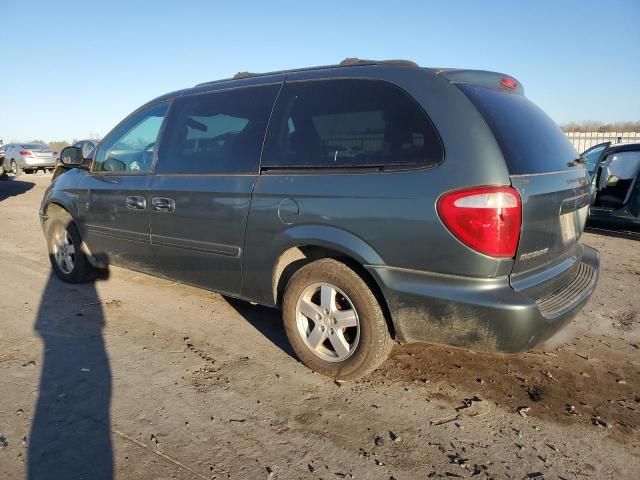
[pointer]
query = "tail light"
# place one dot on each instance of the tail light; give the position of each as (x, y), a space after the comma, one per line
(508, 82)
(25, 153)
(54, 153)
(486, 219)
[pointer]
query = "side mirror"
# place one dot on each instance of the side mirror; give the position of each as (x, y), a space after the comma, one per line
(71, 157)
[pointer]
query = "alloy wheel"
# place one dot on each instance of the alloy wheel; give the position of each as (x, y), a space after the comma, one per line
(64, 250)
(328, 322)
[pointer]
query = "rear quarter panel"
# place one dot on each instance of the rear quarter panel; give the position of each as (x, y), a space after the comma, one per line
(391, 215)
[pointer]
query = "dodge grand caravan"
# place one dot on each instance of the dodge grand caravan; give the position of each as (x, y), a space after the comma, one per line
(371, 201)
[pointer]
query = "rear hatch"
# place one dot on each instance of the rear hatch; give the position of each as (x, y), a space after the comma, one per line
(37, 150)
(554, 188)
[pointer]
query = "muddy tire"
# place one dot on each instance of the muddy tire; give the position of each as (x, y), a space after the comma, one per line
(334, 321)
(68, 261)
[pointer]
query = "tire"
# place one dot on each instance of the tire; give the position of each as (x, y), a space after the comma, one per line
(60, 232)
(369, 343)
(2, 171)
(15, 169)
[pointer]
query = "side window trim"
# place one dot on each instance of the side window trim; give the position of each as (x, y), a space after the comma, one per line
(104, 141)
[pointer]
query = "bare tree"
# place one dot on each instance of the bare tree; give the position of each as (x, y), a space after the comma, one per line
(596, 126)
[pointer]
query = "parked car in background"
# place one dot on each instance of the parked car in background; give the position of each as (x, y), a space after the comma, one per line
(615, 183)
(86, 146)
(370, 201)
(28, 158)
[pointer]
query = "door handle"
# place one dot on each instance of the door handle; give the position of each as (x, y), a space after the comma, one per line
(136, 203)
(166, 205)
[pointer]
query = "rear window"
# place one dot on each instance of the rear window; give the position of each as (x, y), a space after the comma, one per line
(347, 124)
(34, 146)
(530, 141)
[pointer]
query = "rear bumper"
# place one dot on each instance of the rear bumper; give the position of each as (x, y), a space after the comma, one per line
(38, 163)
(483, 314)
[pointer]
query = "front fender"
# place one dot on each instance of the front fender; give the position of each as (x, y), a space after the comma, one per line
(62, 191)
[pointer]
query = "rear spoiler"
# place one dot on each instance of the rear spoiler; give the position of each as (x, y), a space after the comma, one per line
(482, 77)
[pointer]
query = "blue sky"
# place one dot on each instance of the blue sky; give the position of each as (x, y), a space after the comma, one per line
(71, 69)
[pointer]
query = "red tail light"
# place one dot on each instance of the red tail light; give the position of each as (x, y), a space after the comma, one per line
(508, 82)
(487, 219)
(25, 153)
(54, 153)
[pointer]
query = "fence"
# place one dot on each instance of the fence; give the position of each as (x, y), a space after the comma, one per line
(585, 140)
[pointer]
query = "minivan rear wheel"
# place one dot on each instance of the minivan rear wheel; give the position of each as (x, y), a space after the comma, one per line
(334, 321)
(69, 262)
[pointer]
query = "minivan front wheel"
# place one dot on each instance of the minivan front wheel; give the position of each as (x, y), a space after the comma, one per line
(334, 321)
(69, 263)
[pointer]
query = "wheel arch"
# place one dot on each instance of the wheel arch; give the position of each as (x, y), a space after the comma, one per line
(57, 203)
(295, 257)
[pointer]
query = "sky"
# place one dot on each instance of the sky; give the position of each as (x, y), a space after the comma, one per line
(73, 69)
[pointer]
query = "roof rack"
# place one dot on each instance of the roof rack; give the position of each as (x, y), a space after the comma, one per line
(352, 61)
(347, 62)
(241, 75)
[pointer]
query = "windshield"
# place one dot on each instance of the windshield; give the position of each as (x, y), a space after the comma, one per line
(530, 141)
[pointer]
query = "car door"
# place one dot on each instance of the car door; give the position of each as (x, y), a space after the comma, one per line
(594, 155)
(200, 194)
(113, 199)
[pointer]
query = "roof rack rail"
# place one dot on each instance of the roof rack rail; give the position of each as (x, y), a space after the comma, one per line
(241, 75)
(347, 62)
(350, 61)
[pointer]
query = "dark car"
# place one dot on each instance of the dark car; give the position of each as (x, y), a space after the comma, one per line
(615, 189)
(86, 146)
(370, 201)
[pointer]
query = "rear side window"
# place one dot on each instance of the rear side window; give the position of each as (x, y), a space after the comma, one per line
(219, 132)
(530, 141)
(349, 123)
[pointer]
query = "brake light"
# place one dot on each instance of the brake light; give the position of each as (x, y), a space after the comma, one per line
(486, 219)
(25, 153)
(54, 153)
(508, 82)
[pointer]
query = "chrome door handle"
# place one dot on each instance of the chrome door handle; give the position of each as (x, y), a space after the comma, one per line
(167, 205)
(136, 203)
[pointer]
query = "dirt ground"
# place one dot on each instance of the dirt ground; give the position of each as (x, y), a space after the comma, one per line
(137, 377)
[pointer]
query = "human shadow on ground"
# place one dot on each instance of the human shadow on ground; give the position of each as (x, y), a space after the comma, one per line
(9, 187)
(71, 430)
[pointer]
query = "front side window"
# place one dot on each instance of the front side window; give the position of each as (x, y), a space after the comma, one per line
(218, 132)
(130, 148)
(349, 123)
